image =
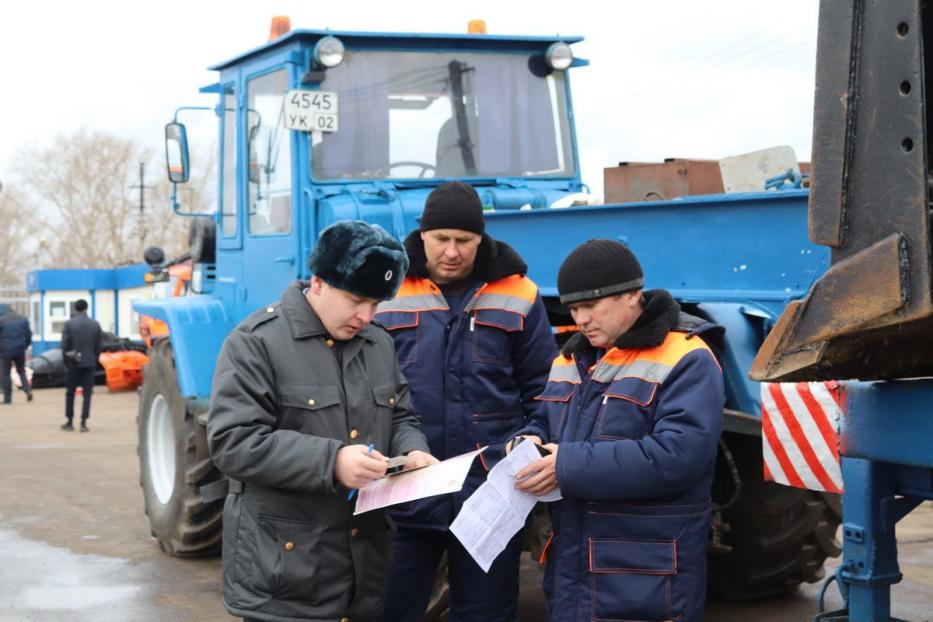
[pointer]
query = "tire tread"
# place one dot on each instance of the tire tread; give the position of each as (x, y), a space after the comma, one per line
(196, 529)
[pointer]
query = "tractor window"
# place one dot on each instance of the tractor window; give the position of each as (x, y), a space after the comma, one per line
(270, 163)
(444, 114)
(228, 199)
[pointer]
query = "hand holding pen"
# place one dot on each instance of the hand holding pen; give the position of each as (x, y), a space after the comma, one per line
(369, 452)
(357, 465)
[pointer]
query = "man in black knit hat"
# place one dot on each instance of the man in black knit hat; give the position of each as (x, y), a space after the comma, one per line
(474, 342)
(633, 417)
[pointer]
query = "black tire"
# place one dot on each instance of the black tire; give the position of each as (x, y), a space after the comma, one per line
(780, 536)
(173, 462)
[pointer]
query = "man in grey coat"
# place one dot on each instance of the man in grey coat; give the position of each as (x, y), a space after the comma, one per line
(308, 402)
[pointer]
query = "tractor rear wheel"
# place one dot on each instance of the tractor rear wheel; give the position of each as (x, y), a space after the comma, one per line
(173, 462)
(780, 536)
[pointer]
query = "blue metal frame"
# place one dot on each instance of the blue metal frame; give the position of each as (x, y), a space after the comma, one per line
(235, 241)
(86, 278)
(743, 284)
(41, 320)
(887, 468)
(305, 39)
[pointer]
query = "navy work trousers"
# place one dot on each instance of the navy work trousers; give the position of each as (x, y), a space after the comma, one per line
(6, 362)
(78, 377)
(475, 596)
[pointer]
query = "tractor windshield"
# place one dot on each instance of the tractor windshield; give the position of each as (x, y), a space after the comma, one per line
(435, 114)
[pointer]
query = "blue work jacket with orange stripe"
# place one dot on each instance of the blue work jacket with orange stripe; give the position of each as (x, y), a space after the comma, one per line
(637, 428)
(473, 371)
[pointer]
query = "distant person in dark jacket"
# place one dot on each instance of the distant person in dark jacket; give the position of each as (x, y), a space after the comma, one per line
(81, 346)
(15, 337)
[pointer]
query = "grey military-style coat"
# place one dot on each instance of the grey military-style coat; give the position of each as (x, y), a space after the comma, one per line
(280, 410)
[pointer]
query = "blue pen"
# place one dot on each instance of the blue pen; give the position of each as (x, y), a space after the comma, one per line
(369, 450)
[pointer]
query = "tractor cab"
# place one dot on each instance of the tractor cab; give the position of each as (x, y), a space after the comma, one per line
(319, 126)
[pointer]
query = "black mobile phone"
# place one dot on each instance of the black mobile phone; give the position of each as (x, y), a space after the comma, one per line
(541, 449)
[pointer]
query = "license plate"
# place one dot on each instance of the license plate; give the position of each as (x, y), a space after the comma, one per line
(309, 111)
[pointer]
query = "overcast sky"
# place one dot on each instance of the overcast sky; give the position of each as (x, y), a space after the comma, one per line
(668, 78)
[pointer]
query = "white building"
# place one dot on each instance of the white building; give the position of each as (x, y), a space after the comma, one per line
(108, 292)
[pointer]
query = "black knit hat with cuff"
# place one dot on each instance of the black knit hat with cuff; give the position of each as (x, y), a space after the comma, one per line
(453, 205)
(597, 269)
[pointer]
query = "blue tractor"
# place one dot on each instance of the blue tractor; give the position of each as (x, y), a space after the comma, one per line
(319, 126)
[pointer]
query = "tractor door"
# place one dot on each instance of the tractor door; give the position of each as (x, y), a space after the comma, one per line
(270, 240)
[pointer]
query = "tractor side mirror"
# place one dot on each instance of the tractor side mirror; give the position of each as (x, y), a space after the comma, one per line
(176, 153)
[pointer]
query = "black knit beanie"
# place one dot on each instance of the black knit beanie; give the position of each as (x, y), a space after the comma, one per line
(597, 269)
(453, 205)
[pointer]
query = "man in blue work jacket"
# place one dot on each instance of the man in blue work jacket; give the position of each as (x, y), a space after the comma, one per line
(474, 342)
(633, 418)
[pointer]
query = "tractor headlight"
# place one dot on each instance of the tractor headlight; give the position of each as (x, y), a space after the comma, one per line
(559, 56)
(329, 52)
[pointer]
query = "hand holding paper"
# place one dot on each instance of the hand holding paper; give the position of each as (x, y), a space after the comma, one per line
(539, 478)
(498, 508)
(434, 479)
(418, 459)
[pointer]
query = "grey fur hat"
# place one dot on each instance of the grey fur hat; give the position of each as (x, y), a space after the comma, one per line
(360, 258)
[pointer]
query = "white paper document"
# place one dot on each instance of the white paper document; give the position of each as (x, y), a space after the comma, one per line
(496, 511)
(437, 479)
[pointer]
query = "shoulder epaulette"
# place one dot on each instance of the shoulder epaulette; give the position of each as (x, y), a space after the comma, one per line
(261, 316)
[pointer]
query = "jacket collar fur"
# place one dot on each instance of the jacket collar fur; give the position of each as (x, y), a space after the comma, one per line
(661, 315)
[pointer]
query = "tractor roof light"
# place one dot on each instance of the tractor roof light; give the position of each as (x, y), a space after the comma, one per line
(476, 27)
(329, 52)
(559, 56)
(281, 25)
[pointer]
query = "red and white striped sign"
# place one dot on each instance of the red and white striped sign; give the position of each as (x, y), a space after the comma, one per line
(799, 434)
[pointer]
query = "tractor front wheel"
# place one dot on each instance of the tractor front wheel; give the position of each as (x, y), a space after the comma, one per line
(173, 462)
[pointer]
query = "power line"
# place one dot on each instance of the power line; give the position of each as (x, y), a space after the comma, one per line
(142, 204)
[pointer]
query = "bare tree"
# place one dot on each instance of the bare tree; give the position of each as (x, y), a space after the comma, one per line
(86, 180)
(17, 229)
(83, 178)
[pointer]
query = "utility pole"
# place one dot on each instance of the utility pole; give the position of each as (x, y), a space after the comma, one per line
(142, 205)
